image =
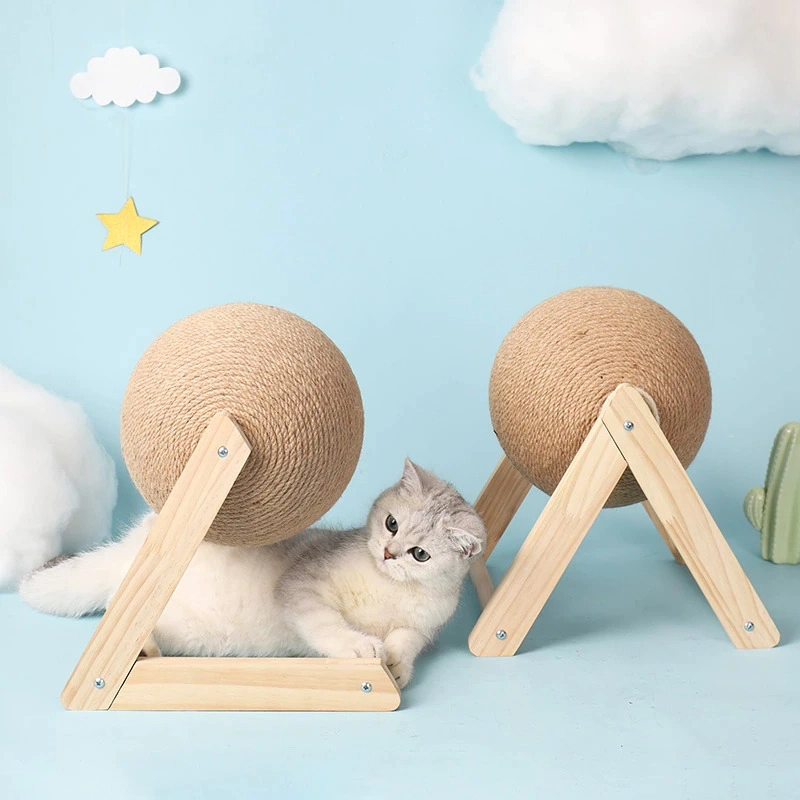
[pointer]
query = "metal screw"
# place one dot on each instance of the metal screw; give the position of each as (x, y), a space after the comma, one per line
(628, 425)
(222, 452)
(501, 634)
(366, 687)
(99, 683)
(748, 626)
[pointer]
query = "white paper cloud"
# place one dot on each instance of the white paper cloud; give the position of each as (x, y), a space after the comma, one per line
(123, 76)
(654, 78)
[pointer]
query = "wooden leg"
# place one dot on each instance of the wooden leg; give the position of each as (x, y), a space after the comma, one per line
(663, 532)
(687, 521)
(158, 567)
(482, 581)
(497, 504)
(543, 557)
(500, 500)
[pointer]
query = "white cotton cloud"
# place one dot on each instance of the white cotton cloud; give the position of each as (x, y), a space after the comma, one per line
(58, 487)
(656, 79)
(122, 76)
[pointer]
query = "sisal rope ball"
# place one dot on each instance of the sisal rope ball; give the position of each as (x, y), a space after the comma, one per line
(560, 362)
(288, 387)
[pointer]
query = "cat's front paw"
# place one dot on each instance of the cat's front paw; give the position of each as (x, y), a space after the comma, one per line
(357, 645)
(370, 647)
(401, 670)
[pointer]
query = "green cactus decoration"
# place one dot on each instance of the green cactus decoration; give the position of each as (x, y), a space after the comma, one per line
(775, 509)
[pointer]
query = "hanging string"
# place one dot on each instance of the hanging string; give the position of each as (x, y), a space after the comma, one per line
(126, 172)
(126, 161)
(126, 185)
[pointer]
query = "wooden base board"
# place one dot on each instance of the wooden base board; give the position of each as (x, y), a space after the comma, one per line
(258, 684)
(122, 668)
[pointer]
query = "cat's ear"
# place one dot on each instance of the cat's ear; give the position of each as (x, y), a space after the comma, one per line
(468, 543)
(412, 477)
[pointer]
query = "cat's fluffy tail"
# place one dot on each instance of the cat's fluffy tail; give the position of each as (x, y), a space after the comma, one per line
(74, 586)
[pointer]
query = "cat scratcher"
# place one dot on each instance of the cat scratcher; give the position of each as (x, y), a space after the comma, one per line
(547, 378)
(625, 436)
(238, 484)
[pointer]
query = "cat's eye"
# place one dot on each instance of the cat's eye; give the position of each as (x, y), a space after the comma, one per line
(391, 524)
(419, 554)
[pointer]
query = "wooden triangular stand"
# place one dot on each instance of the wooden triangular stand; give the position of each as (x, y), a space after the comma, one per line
(626, 434)
(114, 671)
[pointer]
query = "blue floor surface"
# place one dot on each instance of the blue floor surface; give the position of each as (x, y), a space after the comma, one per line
(627, 687)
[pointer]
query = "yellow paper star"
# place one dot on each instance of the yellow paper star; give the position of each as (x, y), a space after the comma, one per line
(126, 227)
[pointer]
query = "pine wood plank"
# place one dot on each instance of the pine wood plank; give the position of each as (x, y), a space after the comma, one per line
(662, 532)
(497, 504)
(482, 581)
(686, 519)
(549, 547)
(158, 567)
(500, 500)
(258, 684)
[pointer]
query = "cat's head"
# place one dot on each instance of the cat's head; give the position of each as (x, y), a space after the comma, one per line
(421, 529)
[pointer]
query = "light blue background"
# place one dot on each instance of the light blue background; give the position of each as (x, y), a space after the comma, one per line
(335, 160)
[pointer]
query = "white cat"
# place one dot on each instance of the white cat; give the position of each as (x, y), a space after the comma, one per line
(383, 590)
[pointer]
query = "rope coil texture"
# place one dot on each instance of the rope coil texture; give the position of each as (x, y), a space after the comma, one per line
(560, 362)
(288, 387)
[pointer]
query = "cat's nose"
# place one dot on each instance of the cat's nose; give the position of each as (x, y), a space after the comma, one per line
(387, 555)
